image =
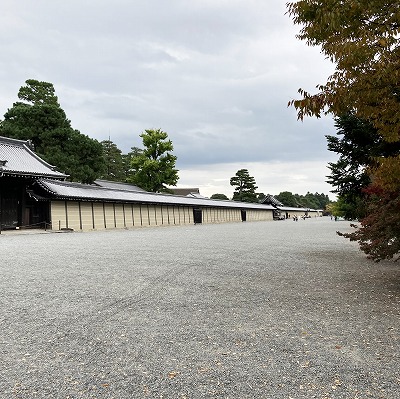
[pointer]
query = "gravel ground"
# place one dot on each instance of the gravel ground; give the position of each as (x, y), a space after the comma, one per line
(243, 310)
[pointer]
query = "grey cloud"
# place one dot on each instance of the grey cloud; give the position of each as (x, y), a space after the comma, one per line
(216, 75)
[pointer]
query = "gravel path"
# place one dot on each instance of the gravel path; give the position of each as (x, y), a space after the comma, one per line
(243, 310)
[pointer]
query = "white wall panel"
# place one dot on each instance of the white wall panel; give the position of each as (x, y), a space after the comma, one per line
(119, 216)
(58, 215)
(137, 215)
(86, 215)
(98, 213)
(109, 216)
(73, 215)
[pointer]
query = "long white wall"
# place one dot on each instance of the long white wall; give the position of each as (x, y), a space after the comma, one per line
(220, 215)
(301, 213)
(80, 215)
(258, 215)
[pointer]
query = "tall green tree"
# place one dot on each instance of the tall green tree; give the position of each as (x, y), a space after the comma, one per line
(359, 146)
(245, 186)
(153, 169)
(38, 117)
(114, 162)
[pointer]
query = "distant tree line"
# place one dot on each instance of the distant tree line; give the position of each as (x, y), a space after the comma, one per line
(245, 191)
(309, 200)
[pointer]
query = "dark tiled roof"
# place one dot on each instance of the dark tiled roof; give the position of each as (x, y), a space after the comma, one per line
(16, 158)
(195, 195)
(76, 191)
(269, 199)
(117, 185)
(184, 191)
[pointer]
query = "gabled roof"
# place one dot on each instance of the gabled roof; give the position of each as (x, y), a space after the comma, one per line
(17, 159)
(64, 190)
(269, 199)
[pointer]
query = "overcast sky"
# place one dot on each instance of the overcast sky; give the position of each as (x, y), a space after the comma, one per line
(216, 75)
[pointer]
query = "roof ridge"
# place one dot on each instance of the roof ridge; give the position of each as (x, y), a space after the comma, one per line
(10, 140)
(14, 148)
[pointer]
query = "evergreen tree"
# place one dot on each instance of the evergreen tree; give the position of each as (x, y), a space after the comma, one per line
(359, 146)
(114, 162)
(245, 186)
(38, 117)
(154, 167)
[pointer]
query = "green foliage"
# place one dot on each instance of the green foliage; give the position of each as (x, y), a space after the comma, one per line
(38, 93)
(77, 155)
(287, 198)
(127, 162)
(359, 146)
(356, 145)
(260, 196)
(41, 120)
(219, 197)
(245, 186)
(154, 167)
(36, 123)
(344, 209)
(114, 162)
(312, 201)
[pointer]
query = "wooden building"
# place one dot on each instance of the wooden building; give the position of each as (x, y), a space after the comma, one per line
(20, 168)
